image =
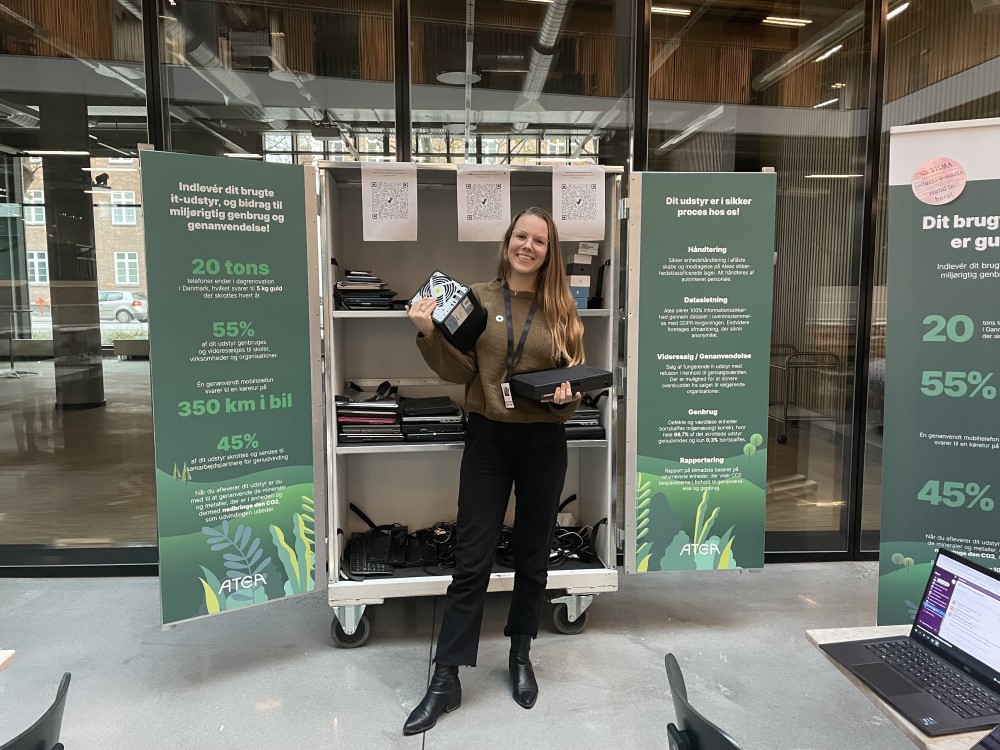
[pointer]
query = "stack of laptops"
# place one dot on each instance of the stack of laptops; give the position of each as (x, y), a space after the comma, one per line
(436, 419)
(585, 424)
(368, 421)
(361, 290)
(945, 676)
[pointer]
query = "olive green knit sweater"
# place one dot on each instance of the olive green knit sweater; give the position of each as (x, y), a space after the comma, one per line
(482, 370)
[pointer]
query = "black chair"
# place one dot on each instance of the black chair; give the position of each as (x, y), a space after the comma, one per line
(695, 732)
(44, 733)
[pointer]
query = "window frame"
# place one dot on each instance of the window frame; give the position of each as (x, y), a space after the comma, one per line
(126, 257)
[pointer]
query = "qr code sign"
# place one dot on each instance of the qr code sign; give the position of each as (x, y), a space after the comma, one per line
(390, 200)
(579, 202)
(484, 202)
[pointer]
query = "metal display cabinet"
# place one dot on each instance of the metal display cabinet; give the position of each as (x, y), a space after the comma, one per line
(416, 484)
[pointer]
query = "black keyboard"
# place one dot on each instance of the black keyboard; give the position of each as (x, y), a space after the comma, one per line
(961, 694)
(359, 560)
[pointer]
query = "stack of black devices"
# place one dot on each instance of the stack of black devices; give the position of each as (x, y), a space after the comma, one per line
(364, 418)
(435, 419)
(361, 290)
(585, 424)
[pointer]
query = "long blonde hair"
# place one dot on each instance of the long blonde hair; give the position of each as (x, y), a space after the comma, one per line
(552, 290)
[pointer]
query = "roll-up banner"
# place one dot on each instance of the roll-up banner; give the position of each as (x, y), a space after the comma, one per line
(701, 250)
(941, 454)
(232, 276)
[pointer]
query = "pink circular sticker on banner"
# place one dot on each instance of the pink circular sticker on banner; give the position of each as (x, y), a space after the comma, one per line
(939, 181)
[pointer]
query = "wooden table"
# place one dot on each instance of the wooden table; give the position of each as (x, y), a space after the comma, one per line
(963, 741)
(6, 657)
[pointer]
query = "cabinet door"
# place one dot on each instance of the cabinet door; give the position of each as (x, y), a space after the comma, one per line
(699, 325)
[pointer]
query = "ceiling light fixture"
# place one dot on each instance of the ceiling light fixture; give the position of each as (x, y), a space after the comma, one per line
(896, 11)
(696, 125)
(785, 21)
(830, 52)
(838, 85)
(826, 103)
(666, 11)
(457, 77)
(832, 176)
(244, 156)
(57, 153)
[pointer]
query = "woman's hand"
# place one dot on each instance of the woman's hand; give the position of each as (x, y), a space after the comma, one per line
(420, 314)
(564, 394)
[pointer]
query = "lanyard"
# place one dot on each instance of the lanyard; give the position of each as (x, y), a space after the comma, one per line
(513, 355)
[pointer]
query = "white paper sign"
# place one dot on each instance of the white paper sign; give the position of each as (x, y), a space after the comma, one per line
(389, 201)
(483, 202)
(578, 202)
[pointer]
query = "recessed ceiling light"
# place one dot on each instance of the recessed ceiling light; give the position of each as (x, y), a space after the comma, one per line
(838, 85)
(290, 76)
(829, 52)
(116, 71)
(896, 11)
(457, 77)
(826, 103)
(785, 21)
(244, 156)
(666, 11)
(832, 176)
(57, 153)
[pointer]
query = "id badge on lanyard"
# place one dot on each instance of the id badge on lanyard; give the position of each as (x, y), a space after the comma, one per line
(514, 355)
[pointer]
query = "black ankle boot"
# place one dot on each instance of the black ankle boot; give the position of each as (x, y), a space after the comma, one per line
(522, 676)
(443, 694)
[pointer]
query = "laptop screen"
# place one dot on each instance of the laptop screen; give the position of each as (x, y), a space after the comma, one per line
(959, 616)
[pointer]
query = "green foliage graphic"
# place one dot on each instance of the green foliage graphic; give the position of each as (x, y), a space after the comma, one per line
(245, 560)
(643, 496)
(299, 562)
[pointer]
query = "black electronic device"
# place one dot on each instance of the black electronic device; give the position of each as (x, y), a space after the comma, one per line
(945, 676)
(361, 559)
(541, 385)
(428, 406)
(597, 301)
(458, 315)
(376, 551)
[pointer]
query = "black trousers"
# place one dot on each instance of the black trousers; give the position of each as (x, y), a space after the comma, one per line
(531, 458)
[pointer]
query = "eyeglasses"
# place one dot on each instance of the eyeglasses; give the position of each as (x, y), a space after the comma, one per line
(539, 243)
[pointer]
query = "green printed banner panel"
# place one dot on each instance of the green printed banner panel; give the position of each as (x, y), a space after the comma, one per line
(941, 454)
(701, 384)
(228, 268)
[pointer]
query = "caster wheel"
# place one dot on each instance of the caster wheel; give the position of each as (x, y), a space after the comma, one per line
(357, 639)
(782, 439)
(560, 621)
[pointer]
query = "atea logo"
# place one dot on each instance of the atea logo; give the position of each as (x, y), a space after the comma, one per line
(701, 549)
(244, 582)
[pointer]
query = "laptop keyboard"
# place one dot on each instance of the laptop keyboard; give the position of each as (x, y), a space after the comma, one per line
(963, 696)
(360, 562)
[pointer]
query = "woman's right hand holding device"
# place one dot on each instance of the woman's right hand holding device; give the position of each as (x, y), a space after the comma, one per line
(420, 314)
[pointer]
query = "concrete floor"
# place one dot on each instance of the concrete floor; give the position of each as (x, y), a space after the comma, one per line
(270, 677)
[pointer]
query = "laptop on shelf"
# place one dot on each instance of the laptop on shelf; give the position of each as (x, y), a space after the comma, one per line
(945, 676)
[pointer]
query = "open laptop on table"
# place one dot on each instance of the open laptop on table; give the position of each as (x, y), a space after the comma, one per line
(945, 676)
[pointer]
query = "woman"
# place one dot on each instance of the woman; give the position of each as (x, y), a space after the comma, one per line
(532, 324)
